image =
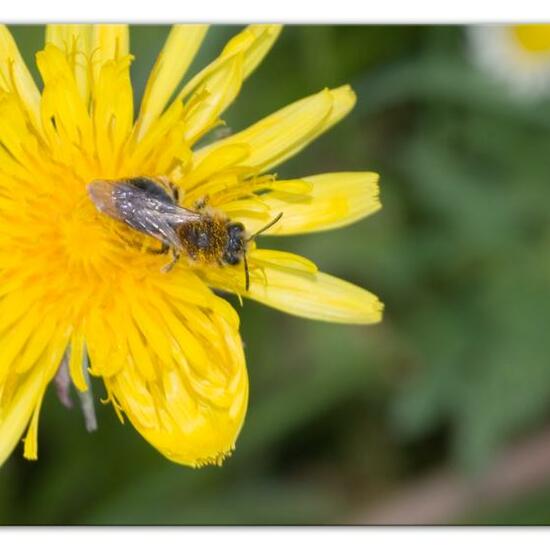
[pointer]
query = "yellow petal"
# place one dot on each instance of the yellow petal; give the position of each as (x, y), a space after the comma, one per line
(21, 393)
(15, 415)
(30, 448)
(15, 76)
(218, 84)
(281, 135)
(222, 160)
(76, 42)
(162, 150)
(334, 200)
(64, 36)
(173, 61)
(255, 42)
(112, 110)
(176, 369)
(64, 112)
(218, 90)
(19, 146)
(301, 291)
(76, 361)
(109, 43)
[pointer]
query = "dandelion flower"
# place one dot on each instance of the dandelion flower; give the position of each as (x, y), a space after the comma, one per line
(517, 55)
(78, 297)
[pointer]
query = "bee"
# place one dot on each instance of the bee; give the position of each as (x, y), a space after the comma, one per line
(151, 206)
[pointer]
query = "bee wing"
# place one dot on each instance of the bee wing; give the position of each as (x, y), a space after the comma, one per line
(103, 193)
(152, 213)
(155, 225)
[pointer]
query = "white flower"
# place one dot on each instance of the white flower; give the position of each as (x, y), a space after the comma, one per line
(518, 55)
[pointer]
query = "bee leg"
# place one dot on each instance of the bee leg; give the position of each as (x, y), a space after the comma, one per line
(201, 203)
(175, 258)
(132, 243)
(170, 188)
(175, 193)
(162, 250)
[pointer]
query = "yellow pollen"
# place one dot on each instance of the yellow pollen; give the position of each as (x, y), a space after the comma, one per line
(83, 239)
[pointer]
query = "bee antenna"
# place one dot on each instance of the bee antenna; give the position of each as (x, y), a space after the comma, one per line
(246, 273)
(265, 227)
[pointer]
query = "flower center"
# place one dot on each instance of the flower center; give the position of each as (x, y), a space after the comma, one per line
(83, 239)
(67, 235)
(533, 38)
(95, 246)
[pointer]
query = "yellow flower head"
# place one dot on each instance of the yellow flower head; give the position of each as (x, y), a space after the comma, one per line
(82, 293)
(517, 55)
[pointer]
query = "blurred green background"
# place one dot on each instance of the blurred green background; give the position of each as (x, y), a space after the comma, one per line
(345, 422)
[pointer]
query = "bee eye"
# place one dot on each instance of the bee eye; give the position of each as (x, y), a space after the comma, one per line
(231, 258)
(235, 229)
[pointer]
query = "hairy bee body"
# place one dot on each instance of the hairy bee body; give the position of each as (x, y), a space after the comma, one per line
(151, 207)
(213, 239)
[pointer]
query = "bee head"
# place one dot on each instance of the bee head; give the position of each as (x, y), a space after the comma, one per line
(235, 247)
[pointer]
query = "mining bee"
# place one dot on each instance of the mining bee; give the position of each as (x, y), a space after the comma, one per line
(151, 206)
